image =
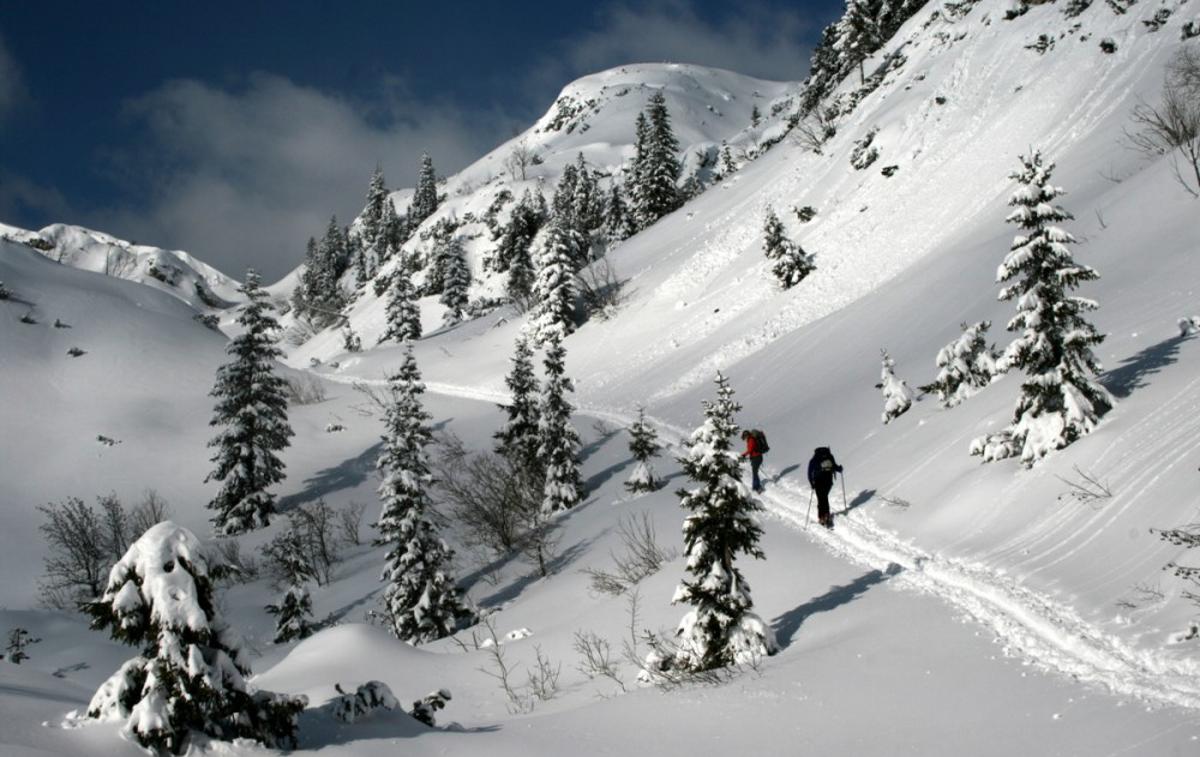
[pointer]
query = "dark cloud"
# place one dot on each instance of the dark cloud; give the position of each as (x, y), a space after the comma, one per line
(244, 175)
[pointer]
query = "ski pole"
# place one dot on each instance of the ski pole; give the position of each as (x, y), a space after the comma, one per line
(808, 513)
(845, 507)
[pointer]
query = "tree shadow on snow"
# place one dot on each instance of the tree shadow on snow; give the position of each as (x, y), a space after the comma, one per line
(554, 565)
(345, 475)
(319, 729)
(1133, 371)
(787, 624)
(860, 499)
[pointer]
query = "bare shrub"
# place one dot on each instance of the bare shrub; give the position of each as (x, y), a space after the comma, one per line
(1085, 488)
(815, 129)
(497, 502)
(643, 556)
(232, 564)
(350, 520)
(316, 524)
(305, 390)
(500, 670)
(147, 513)
(1173, 126)
(520, 157)
(543, 677)
(596, 658)
(77, 562)
(375, 399)
(601, 289)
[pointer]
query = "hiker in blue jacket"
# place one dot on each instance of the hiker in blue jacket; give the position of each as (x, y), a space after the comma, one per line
(821, 470)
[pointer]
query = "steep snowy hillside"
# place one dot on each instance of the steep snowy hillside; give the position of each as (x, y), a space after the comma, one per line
(903, 257)
(172, 271)
(955, 608)
(593, 117)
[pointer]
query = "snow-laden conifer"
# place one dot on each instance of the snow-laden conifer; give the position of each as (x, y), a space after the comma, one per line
(658, 169)
(644, 446)
(252, 409)
(293, 613)
(456, 280)
(425, 199)
(420, 599)
(403, 315)
(720, 629)
(518, 439)
(965, 366)
(190, 674)
(790, 264)
(559, 448)
(618, 221)
(1060, 400)
(554, 289)
(897, 396)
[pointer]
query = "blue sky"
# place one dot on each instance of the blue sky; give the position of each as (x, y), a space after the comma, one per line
(233, 130)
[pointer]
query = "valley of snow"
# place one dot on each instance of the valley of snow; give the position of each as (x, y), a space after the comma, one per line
(957, 608)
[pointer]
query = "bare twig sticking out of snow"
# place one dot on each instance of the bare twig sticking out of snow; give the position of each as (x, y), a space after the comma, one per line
(1087, 488)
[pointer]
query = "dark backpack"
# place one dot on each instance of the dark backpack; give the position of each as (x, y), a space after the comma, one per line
(760, 440)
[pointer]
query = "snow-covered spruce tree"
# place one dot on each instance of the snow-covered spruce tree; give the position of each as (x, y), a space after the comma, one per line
(518, 440)
(372, 230)
(425, 199)
(554, 289)
(644, 446)
(789, 263)
(456, 281)
(965, 366)
(559, 448)
(1060, 401)
(860, 33)
(252, 409)
(897, 397)
(720, 629)
(618, 221)
(420, 599)
(658, 171)
(190, 675)
(319, 297)
(403, 315)
(293, 614)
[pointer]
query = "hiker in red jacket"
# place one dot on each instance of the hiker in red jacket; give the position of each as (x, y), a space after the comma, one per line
(755, 453)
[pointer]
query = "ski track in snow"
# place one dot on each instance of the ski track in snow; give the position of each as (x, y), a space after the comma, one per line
(1050, 635)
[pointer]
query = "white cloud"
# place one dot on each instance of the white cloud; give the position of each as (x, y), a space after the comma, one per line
(754, 39)
(244, 176)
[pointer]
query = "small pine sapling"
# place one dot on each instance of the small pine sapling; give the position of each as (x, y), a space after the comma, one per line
(644, 446)
(292, 565)
(191, 673)
(966, 365)
(897, 397)
(18, 640)
(423, 709)
(790, 264)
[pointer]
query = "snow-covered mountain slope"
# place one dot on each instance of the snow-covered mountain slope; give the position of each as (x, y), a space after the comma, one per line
(902, 260)
(173, 271)
(957, 608)
(593, 117)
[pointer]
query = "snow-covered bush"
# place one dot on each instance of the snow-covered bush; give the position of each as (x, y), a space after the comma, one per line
(5, 292)
(790, 264)
(966, 365)
(191, 672)
(1060, 400)
(897, 397)
(424, 708)
(864, 153)
(371, 696)
(18, 640)
(1189, 325)
(644, 446)
(720, 629)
